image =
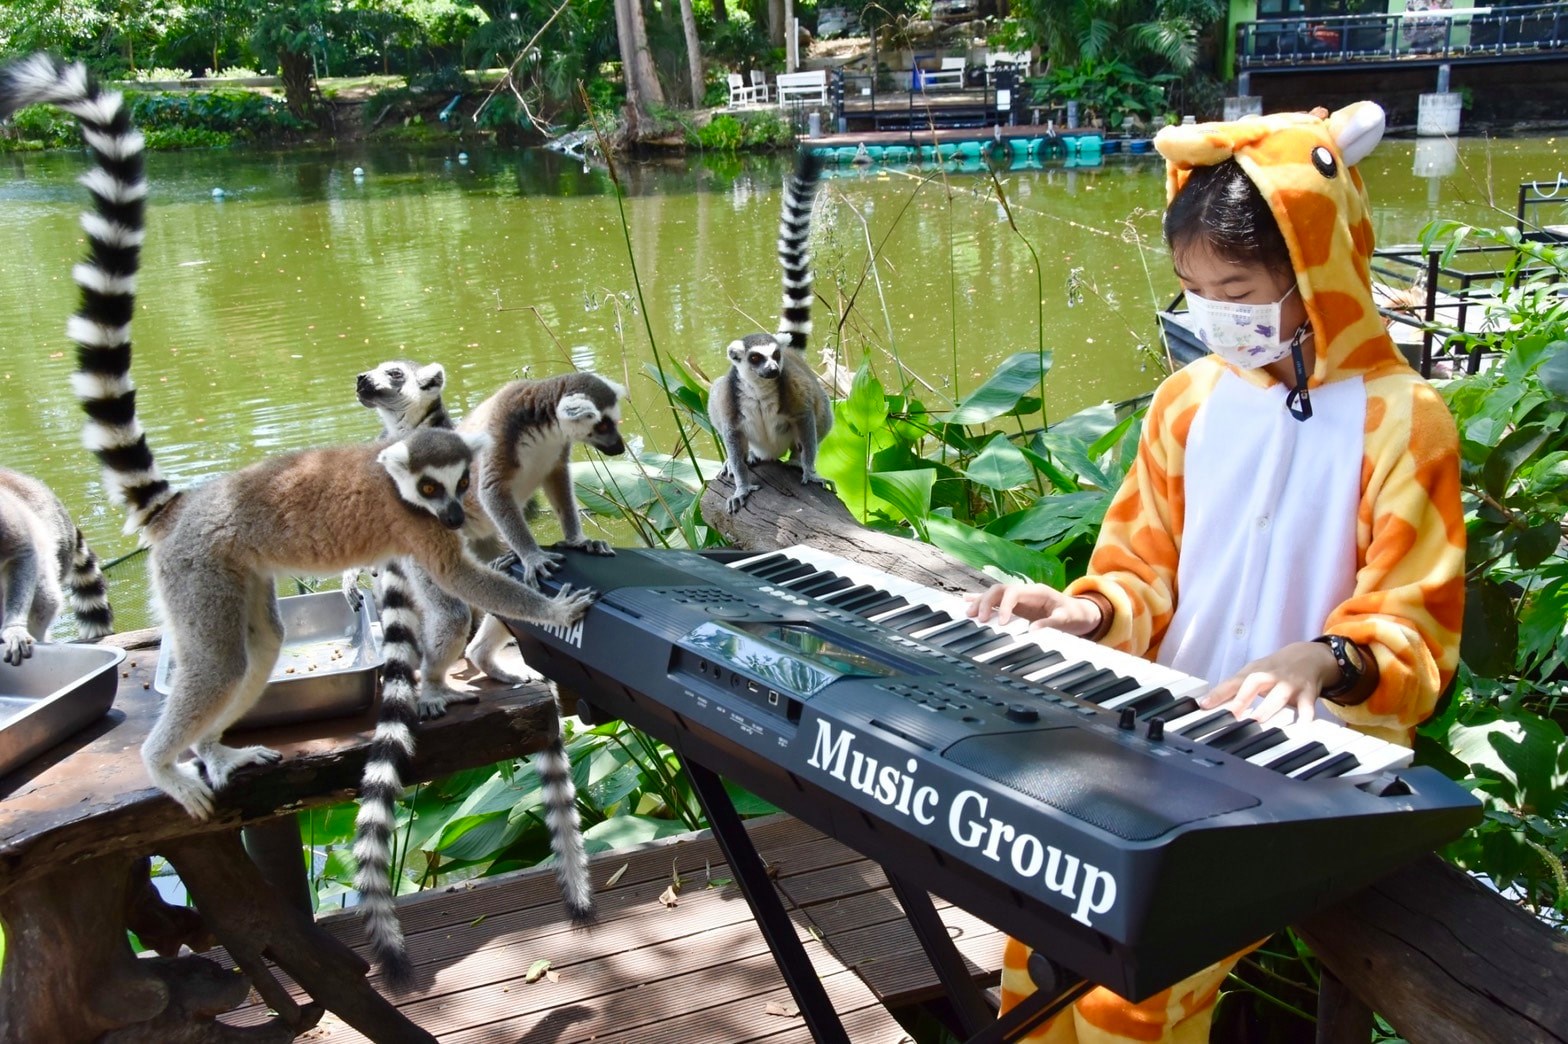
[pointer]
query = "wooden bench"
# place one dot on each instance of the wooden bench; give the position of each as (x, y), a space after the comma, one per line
(79, 823)
(807, 86)
(698, 971)
(951, 74)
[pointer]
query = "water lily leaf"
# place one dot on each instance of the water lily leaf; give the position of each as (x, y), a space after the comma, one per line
(1001, 465)
(1003, 392)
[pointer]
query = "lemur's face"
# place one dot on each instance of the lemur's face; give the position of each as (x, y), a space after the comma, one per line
(758, 355)
(430, 468)
(401, 386)
(593, 416)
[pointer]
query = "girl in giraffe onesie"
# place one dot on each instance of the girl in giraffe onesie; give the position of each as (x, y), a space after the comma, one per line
(1291, 528)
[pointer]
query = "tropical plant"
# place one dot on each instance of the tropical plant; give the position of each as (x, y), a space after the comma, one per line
(1110, 90)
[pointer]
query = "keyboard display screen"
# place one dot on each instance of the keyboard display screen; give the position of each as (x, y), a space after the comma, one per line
(820, 648)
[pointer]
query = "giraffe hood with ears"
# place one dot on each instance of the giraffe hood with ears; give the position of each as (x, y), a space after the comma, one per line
(1304, 164)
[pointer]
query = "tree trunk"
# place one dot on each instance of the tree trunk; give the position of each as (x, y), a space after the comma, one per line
(642, 82)
(776, 22)
(299, 79)
(721, 13)
(693, 54)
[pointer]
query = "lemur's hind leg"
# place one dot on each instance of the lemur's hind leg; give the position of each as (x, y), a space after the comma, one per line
(209, 644)
(263, 643)
(484, 652)
(444, 624)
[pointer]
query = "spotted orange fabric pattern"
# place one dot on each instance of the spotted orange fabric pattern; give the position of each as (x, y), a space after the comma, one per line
(1408, 597)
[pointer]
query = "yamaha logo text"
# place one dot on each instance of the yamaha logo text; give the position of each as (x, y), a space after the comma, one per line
(1088, 890)
(572, 635)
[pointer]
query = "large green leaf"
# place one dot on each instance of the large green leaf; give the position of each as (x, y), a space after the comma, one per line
(478, 837)
(624, 831)
(1018, 376)
(1527, 753)
(1490, 640)
(866, 408)
(1536, 544)
(1554, 371)
(909, 493)
(1514, 449)
(1001, 465)
(1053, 518)
(1073, 453)
(979, 549)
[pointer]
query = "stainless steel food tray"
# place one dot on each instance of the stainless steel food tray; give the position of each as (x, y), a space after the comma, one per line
(327, 668)
(58, 691)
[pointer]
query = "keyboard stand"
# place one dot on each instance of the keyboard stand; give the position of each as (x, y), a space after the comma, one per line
(974, 1014)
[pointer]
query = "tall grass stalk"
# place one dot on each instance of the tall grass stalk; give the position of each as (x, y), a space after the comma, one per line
(1039, 289)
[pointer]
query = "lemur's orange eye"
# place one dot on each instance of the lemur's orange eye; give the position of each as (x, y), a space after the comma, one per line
(462, 484)
(427, 488)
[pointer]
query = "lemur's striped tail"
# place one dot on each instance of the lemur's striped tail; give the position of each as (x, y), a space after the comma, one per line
(800, 193)
(115, 226)
(560, 816)
(88, 593)
(391, 749)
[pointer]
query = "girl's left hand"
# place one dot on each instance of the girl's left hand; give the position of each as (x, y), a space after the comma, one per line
(1289, 679)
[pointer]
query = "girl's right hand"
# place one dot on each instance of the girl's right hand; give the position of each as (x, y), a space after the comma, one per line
(1045, 606)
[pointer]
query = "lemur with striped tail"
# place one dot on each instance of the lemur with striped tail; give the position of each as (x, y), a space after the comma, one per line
(406, 396)
(44, 561)
(770, 403)
(219, 548)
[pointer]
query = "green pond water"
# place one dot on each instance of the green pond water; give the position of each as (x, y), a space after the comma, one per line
(257, 308)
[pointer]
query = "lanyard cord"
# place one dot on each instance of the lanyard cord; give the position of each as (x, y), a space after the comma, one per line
(1297, 401)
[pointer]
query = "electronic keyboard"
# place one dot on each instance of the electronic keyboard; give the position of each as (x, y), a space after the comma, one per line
(1070, 794)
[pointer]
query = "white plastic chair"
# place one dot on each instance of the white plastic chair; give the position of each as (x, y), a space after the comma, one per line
(740, 94)
(759, 85)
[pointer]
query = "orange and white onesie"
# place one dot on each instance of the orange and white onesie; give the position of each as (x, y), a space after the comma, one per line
(1240, 529)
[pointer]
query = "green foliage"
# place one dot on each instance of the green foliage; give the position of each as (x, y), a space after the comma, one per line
(1504, 728)
(730, 132)
(42, 127)
(242, 115)
(161, 74)
(1110, 90)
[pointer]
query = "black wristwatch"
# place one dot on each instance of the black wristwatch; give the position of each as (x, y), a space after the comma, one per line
(1352, 665)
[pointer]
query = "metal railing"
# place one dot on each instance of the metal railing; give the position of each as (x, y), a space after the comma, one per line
(1432, 35)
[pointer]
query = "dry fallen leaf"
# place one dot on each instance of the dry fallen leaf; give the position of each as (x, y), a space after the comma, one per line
(669, 896)
(784, 1008)
(553, 976)
(616, 876)
(537, 970)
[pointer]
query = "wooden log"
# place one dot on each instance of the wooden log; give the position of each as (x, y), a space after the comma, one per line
(1343, 1018)
(785, 512)
(1446, 960)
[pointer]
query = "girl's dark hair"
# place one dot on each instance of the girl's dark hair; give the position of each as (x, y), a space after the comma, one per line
(1222, 208)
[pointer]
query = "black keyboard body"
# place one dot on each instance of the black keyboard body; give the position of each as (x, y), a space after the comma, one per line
(1132, 861)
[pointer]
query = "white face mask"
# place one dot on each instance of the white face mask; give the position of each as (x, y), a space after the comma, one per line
(1245, 335)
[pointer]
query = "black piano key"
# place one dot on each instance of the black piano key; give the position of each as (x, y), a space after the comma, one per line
(1170, 709)
(1116, 685)
(844, 599)
(1338, 765)
(1075, 672)
(785, 573)
(1232, 735)
(952, 632)
(1025, 653)
(1268, 739)
(808, 579)
(992, 642)
(928, 619)
(757, 565)
(913, 613)
(1093, 680)
(1302, 755)
(879, 605)
(827, 585)
(1206, 724)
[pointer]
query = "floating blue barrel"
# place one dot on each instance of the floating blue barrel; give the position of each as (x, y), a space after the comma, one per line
(971, 149)
(845, 153)
(1139, 145)
(896, 154)
(947, 149)
(1110, 145)
(928, 152)
(874, 151)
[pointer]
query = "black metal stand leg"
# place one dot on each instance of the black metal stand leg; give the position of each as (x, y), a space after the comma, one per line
(974, 1014)
(757, 887)
(1036, 1009)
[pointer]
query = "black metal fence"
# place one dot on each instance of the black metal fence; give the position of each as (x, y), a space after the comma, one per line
(1431, 35)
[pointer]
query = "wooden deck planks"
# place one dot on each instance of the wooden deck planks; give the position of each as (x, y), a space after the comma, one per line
(695, 973)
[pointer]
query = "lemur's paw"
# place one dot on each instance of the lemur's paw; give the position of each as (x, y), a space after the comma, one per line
(592, 547)
(18, 644)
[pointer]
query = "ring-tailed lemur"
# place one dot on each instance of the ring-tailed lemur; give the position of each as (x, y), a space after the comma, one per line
(770, 402)
(406, 395)
(44, 561)
(532, 426)
(219, 548)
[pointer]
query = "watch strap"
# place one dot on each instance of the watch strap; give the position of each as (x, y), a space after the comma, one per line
(1356, 683)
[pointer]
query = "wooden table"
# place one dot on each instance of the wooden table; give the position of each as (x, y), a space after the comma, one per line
(78, 827)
